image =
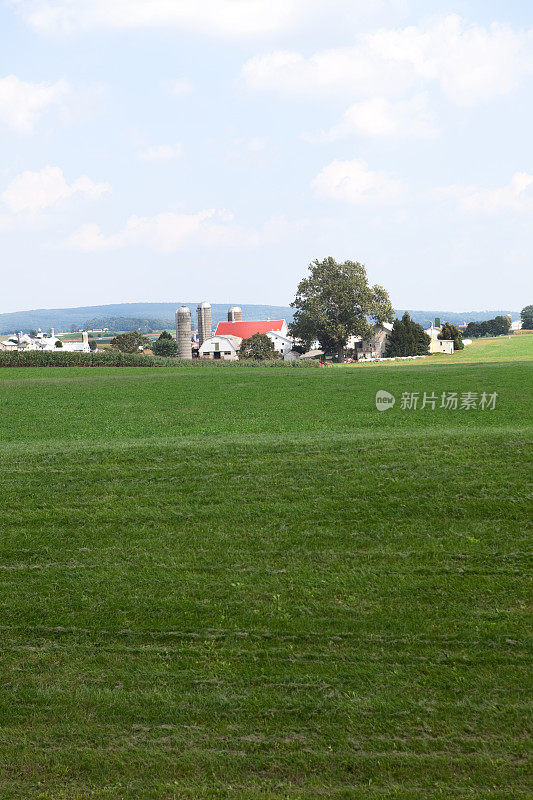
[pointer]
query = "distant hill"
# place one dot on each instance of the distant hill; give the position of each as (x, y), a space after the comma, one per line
(62, 318)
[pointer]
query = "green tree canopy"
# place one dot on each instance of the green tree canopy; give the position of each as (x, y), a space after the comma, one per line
(491, 327)
(166, 347)
(407, 338)
(335, 302)
(526, 315)
(127, 324)
(131, 342)
(450, 331)
(257, 348)
(165, 335)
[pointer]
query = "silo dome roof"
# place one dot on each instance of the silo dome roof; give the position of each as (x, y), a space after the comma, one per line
(205, 304)
(184, 310)
(235, 308)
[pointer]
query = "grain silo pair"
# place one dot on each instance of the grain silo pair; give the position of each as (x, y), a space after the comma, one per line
(205, 326)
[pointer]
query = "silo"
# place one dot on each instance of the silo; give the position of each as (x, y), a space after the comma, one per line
(235, 314)
(183, 332)
(205, 325)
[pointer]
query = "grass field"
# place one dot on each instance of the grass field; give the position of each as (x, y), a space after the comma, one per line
(230, 583)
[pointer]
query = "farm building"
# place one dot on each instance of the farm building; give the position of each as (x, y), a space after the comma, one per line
(227, 340)
(373, 347)
(246, 329)
(225, 348)
(45, 341)
(437, 345)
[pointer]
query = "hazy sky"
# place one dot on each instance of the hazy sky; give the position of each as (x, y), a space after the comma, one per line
(185, 149)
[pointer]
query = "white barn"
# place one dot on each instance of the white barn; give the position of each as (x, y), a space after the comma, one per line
(223, 348)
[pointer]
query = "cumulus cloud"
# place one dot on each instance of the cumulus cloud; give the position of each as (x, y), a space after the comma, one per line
(471, 63)
(354, 182)
(168, 232)
(223, 17)
(161, 152)
(32, 192)
(516, 196)
(22, 103)
(381, 117)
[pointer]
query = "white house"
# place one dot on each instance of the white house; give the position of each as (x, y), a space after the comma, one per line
(437, 345)
(282, 344)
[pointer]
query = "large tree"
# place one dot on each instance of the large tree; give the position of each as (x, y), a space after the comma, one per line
(131, 342)
(335, 302)
(257, 348)
(526, 315)
(167, 348)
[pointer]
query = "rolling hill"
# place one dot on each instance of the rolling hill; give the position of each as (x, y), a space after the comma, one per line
(63, 318)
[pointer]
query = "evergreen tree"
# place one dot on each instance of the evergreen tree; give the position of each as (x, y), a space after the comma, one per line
(526, 315)
(423, 342)
(407, 338)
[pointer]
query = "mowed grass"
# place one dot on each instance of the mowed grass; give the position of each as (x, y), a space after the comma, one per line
(230, 583)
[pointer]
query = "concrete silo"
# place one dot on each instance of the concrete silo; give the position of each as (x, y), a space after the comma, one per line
(183, 332)
(235, 314)
(205, 324)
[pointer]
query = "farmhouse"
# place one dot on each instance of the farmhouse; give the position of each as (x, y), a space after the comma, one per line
(437, 345)
(373, 347)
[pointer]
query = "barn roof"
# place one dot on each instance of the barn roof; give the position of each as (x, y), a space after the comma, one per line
(246, 329)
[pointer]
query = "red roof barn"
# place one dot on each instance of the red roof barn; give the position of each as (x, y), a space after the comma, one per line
(246, 329)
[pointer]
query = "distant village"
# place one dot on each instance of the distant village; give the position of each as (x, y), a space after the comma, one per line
(224, 343)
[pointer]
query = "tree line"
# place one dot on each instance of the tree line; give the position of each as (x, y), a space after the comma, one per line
(499, 326)
(127, 324)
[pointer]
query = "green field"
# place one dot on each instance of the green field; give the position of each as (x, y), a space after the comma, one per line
(249, 583)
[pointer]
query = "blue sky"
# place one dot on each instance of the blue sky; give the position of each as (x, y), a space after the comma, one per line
(176, 150)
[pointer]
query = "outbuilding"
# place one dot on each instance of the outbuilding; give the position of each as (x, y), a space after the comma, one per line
(222, 348)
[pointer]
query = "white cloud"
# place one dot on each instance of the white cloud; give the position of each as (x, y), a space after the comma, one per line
(34, 191)
(470, 62)
(181, 87)
(21, 103)
(223, 17)
(516, 196)
(161, 152)
(381, 117)
(171, 231)
(354, 182)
